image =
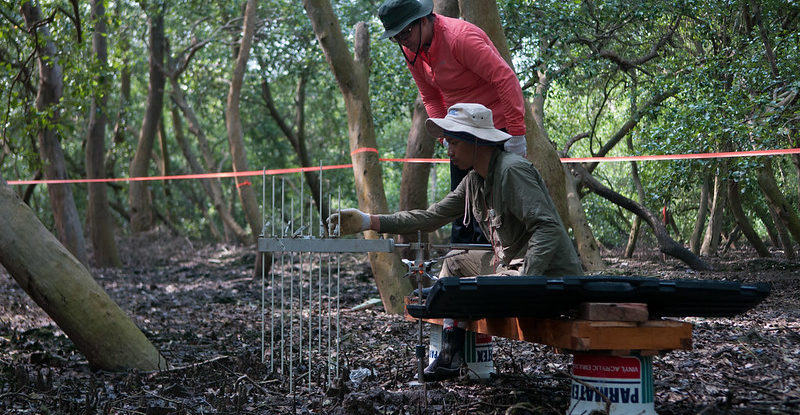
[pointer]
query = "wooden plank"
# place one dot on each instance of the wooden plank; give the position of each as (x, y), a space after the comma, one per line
(585, 335)
(613, 311)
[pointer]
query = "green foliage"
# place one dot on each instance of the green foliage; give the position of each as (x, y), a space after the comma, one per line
(597, 57)
(725, 99)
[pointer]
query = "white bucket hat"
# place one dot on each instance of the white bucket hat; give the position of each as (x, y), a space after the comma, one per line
(474, 119)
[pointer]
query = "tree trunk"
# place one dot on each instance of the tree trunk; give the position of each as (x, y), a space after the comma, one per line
(233, 124)
(164, 170)
(541, 152)
(163, 164)
(213, 187)
(796, 162)
(233, 121)
(414, 183)
(785, 241)
(449, 8)
(297, 138)
(413, 187)
(665, 243)
(776, 200)
(101, 226)
(761, 211)
(65, 213)
(730, 241)
(139, 197)
(700, 221)
(755, 8)
(796, 157)
(194, 167)
(714, 227)
(637, 221)
(670, 218)
(65, 290)
(121, 119)
(633, 237)
(587, 245)
(735, 206)
(352, 75)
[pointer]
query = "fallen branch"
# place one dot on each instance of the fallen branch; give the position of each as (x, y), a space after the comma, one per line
(666, 244)
(152, 374)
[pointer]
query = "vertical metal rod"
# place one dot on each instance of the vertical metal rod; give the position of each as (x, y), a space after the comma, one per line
(300, 312)
(263, 306)
(310, 290)
(319, 281)
(283, 275)
(263, 269)
(300, 307)
(322, 230)
(328, 360)
(291, 304)
(263, 201)
(434, 180)
(319, 307)
(272, 290)
(420, 261)
(338, 281)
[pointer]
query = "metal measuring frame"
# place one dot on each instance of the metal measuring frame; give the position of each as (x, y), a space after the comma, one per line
(288, 236)
(325, 245)
(301, 249)
(419, 268)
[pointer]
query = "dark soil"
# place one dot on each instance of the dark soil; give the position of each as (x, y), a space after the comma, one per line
(200, 305)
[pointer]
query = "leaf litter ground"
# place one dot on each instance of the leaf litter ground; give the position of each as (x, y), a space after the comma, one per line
(200, 305)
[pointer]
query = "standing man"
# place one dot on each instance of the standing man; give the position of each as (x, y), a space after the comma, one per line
(454, 61)
(509, 199)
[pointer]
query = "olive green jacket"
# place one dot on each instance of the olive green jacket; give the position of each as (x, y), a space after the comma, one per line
(514, 210)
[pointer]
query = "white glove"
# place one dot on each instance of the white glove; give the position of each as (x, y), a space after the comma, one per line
(351, 220)
(517, 145)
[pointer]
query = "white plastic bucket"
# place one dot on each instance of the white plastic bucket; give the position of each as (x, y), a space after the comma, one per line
(477, 352)
(627, 382)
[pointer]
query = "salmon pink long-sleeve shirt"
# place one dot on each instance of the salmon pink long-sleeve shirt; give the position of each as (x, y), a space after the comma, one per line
(463, 65)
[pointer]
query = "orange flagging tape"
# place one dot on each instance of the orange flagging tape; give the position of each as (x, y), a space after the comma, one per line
(730, 154)
(364, 150)
(271, 172)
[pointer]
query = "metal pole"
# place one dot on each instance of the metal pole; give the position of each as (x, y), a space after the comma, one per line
(338, 280)
(263, 255)
(319, 281)
(319, 307)
(421, 346)
(310, 291)
(283, 276)
(272, 290)
(291, 304)
(329, 303)
(300, 334)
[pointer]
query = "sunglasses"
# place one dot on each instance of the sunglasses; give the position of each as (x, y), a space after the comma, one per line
(403, 34)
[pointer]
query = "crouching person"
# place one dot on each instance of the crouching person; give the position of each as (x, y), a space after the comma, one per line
(506, 195)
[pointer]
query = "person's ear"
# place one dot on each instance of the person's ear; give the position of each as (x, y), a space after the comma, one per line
(425, 23)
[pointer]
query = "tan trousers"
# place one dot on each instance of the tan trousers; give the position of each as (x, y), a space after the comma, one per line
(462, 264)
(474, 263)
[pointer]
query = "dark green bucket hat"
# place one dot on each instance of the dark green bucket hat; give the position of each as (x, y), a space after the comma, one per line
(397, 14)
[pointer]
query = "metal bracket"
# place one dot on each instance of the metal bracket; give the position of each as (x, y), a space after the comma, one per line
(324, 245)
